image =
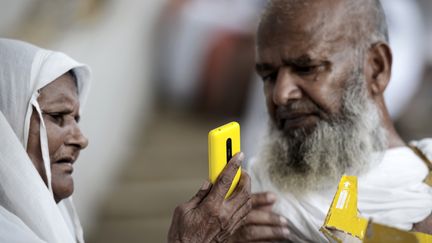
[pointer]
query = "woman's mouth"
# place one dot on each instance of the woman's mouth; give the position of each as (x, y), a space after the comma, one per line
(64, 164)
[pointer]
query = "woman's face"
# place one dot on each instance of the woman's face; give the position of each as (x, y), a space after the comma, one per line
(59, 104)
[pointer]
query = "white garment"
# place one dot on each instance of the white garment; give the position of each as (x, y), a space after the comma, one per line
(28, 212)
(392, 193)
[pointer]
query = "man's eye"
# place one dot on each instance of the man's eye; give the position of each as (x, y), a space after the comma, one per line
(305, 70)
(309, 70)
(270, 77)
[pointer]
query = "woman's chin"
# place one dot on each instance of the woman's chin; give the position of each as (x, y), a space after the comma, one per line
(62, 187)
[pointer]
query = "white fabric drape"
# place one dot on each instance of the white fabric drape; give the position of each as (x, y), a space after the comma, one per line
(28, 212)
(391, 193)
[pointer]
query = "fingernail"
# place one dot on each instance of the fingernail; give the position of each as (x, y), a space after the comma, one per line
(271, 197)
(205, 185)
(285, 232)
(283, 220)
(240, 156)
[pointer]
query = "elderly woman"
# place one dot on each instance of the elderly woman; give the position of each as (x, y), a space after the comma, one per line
(41, 93)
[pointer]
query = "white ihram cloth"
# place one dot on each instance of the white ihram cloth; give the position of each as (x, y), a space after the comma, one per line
(28, 212)
(391, 193)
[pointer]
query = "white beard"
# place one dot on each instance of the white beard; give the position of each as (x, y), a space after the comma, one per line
(348, 144)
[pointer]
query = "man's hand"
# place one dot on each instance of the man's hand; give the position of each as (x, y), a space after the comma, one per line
(424, 226)
(207, 217)
(262, 225)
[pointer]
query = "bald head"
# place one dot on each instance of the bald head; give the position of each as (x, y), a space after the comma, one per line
(360, 22)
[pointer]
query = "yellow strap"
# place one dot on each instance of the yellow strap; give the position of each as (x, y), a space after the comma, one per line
(428, 163)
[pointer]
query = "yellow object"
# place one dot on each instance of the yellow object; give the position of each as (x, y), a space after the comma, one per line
(343, 211)
(377, 233)
(223, 144)
(343, 223)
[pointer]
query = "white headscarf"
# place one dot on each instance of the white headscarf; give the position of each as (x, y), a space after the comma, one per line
(28, 212)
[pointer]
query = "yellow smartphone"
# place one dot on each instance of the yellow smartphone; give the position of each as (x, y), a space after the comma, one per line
(223, 143)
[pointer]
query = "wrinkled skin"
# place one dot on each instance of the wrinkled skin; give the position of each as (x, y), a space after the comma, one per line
(303, 71)
(59, 103)
(207, 217)
(261, 224)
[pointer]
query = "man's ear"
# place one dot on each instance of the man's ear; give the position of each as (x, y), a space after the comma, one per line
(378, 65)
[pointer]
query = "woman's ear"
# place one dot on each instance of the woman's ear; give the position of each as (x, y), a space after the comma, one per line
(378, 65)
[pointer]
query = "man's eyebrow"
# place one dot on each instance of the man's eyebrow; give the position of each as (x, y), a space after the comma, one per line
(303, 60)
(263, 67)
(300, 61)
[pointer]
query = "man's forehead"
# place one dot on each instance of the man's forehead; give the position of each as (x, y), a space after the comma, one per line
(315, 37)
(294, 52)
(292, 13)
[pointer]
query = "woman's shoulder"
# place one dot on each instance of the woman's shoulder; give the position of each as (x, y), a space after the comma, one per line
(13, 229)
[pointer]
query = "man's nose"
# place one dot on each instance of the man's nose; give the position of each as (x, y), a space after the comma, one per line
(286, 88)
(77, 138)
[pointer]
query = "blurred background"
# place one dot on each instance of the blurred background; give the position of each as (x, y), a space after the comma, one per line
(165, 72)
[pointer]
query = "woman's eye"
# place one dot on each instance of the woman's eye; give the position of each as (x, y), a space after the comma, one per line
(58, 118)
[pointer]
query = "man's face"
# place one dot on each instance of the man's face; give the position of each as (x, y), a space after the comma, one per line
(323, 120)
(304, 74)
(59, 103)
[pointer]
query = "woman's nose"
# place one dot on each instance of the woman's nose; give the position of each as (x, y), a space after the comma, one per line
(77, 138)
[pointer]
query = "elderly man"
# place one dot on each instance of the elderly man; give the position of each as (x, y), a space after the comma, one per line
(325, 66)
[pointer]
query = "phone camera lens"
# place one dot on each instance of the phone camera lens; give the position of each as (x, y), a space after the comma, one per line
(229, 149)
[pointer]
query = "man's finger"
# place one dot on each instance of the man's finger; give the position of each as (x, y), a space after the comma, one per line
(259, 217)
(265, 233)
(237, 225)
(201, 194)
(263, 199)
(241, 193)
(223, 183)
(241, 213)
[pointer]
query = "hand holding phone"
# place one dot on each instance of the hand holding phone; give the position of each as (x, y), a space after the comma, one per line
(209, 213)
